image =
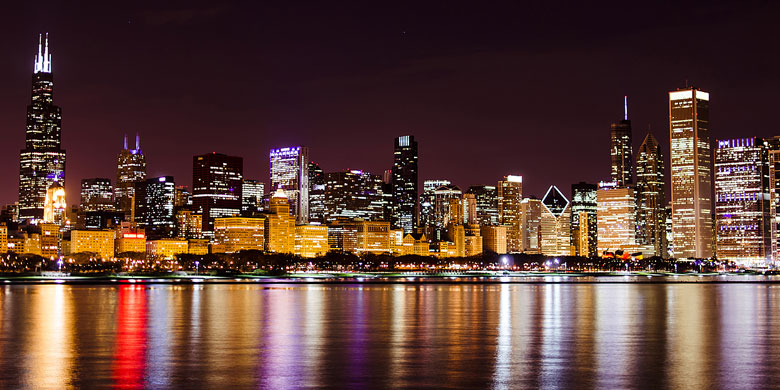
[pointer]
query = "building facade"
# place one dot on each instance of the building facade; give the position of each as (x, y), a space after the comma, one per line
(404, 184)
(130, 169)
(621, 150)
(487, 204)
(616, 215)
(290, 172)
(584, 230)
(651, 198)
(691, 161)
(217, 181)
(510, 196)
(555, 223)
(353, 194)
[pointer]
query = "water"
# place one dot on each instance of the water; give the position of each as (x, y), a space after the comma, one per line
(565, 335)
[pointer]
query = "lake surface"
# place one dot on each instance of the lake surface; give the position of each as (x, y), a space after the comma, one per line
(566, 335)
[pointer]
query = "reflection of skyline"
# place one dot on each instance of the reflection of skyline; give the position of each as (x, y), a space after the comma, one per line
(499, 336)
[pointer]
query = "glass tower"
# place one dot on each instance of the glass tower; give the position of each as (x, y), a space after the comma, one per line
(290, 172)
(584, 209)
(42, 161)
(130, 169)
(405, 188)
(651, 201)
(216, 187)
(621, 150)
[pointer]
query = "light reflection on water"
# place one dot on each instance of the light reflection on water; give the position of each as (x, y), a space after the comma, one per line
(380, 336)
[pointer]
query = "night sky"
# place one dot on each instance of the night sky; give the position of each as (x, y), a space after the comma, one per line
(487, 88)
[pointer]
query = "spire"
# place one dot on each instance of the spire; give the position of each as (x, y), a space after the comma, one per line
(125, 141)
(625, 107)
(43, 58)
(137, 141)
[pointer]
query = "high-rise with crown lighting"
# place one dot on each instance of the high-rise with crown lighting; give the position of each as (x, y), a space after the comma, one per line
(510, 195)
(691, 158)
(405, 188)
(42, 161)
(290, 172)
(130, 169)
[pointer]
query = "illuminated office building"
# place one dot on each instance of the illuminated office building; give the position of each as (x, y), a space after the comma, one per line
(405, 187)
(216, 187)
(100, 242)
(742, 201)
(616, 213)
(130, 169)
(311, 240)
(154, 205)
(96, 195)
(290, 172)
(584, 236)
(650, 198)
(252, 192)
(529, 240)
(510, 195)
(446, 209)
(42, 161)
(427, 212)
(469, 209)
(235, 234)
(316, 193)
(280, 225)
(365, 236)
(182, 197)
(621, 150)
(493, 238)
(3, 238)
(486, 204)
(353, 194)
(555, 223)
(51, 240)
(773, 146)
(130, 238)
(188, 223)
(691, 158)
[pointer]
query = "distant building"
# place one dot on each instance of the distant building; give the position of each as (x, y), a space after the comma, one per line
(131, 169)
(216, 187)
(100, 242)
(55, 205)
(510, 195)
(290, 172)
(405, 187)
(621, 150)
(182, 197)
(415, 244)
(189, 224)
(364, 236)
(353, 194)
(494, 238)
(154, 205)
(234, 234)
(427, 211)
(252, 192)
(316, 193)
(742, 201)
(615, 218)
(651, 201)
(555, 223)
(166, 248)
(3, 238)
(487, 204)
(130, 238)
(280, 225)
(584, 230)
(311, 240)
(51, 240)
(42, 161)
(530, 237)
(96, 195)
(691, 159)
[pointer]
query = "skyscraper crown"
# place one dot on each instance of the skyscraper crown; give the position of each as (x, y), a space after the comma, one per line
(43, 58)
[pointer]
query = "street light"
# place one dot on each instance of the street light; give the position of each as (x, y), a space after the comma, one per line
(197, 264)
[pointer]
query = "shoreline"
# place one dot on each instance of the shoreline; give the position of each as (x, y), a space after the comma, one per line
(402, 279)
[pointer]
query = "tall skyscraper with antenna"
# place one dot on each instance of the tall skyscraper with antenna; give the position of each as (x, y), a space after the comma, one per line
(621, 150)
(42, 161)
(130, 169)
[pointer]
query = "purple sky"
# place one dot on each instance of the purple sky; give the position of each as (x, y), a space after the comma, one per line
(487, 88)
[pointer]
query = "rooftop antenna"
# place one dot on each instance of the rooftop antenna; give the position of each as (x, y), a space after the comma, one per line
(625, 107)
(125, 141)
(137, 141)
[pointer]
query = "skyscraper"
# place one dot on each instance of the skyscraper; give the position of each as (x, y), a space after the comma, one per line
(691, 158)
(510, 194)
(216, 187)
(42, 161)
(742, 202)
(555, 223)
(316, 193)
(405, 188)
(290, 172)
(616, 218)
(583, 200)
(252, 192)
(130, 169)
(487, 204)
(353, 194)
(621, 150)
(96, 195)
(651, 201)
(154, 200)
(427, 211)
(446, 210)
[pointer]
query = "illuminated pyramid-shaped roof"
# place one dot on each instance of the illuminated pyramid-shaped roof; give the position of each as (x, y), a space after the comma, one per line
(555, 201)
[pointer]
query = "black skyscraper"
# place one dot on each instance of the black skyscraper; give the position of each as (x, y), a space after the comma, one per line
(216, 187)
(42, 161)
(405, 183)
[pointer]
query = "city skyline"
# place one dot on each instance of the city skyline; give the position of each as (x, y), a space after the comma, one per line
(512, 103)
